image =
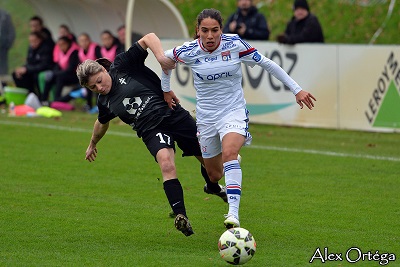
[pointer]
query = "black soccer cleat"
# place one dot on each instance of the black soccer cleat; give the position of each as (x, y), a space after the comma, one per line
(182, 224)
(221, 194)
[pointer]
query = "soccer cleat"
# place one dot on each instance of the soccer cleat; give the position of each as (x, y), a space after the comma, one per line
(221, 194)
(182, 224)
(231, 221)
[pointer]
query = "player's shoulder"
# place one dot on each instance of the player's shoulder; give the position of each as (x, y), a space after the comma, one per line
(187, 48)
(230, 37)
(232, 42)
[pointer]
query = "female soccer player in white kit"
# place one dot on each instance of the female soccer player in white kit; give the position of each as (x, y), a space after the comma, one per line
(222, 117)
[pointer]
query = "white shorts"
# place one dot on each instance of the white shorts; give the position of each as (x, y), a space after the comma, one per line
(210, 135)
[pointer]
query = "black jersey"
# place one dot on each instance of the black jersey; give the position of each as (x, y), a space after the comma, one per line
(135, 96)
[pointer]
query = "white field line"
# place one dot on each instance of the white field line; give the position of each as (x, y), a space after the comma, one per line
(63, 128)
(326, 153)
(274, 148)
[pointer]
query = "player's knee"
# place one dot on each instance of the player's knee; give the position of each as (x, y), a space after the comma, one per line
(229, 154)
(167, 166)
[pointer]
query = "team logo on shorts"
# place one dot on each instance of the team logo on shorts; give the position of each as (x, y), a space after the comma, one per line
(226, 55)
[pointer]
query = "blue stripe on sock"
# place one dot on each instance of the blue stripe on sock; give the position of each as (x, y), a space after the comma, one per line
(233, 166)
(233, 192)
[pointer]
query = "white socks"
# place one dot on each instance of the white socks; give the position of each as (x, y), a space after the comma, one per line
(233, 182)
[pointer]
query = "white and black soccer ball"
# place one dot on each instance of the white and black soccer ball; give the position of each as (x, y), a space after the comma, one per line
(237, 246)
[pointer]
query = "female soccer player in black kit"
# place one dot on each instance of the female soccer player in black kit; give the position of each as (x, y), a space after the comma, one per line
(131, 91)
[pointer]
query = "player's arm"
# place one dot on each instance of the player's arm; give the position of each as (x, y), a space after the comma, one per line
(151, 41)
(302, 97)
(99, 130)
(169, 96)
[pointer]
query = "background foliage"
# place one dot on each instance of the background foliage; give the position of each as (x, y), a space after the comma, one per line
(341, 22)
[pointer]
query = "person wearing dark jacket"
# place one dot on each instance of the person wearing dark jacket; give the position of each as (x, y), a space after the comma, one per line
(7, 37)
(39, 59)
(36, 25)
(247, 22)
(304, 26)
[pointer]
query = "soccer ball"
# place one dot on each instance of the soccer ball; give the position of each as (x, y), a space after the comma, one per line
(237, 246)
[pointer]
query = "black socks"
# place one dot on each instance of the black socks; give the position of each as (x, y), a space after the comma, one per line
(173, 190)
(213, 187)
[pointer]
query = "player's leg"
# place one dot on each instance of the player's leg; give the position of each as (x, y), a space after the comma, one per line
(231, 143)
(212, 167)
(172, 186)
(210, 147)
(233, 131)
(161, 146)
(173, 189)
(185, 135)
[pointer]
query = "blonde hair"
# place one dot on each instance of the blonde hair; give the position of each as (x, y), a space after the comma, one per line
(86, 69)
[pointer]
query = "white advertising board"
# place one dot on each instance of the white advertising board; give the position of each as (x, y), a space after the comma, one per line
(356, 86)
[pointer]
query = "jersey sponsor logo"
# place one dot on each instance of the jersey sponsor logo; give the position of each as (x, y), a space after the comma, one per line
(122, 80)
(214, 77)
(135, 105)
(193, 53)
(228, 45)
(226, 56)
(210, 59)
(198, 75)
(256, 57)
(132, 104)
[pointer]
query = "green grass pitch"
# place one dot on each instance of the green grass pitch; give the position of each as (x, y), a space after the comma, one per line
(303, 189)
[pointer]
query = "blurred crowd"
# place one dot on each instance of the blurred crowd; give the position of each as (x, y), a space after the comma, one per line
(50, 65)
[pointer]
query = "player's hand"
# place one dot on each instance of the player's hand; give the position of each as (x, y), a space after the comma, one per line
(91, 152)
(166, 64)
(306, 98)
(232, 26)
(171, 99)
(242, 30)
(20, 71)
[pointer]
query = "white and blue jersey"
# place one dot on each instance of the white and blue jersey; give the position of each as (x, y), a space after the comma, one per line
(218, 75)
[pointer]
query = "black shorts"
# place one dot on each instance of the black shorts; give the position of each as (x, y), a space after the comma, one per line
(180, 128)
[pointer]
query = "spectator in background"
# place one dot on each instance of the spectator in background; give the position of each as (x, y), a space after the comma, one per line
(63, 30)
(110, 46)
(65, 71)
(87, 50)
(39, 59)
(304, 26)
(121, 37)
(36, 25)
(7, 37)
(247, 22)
